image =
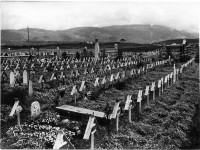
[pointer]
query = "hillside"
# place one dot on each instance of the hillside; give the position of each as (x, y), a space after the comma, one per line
(131, 33)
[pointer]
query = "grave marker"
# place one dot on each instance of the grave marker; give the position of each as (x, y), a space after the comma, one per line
(35, 109)
(174, 79)
(60, 142)
(16, 108)
(82, 86)
(74, 92)
(115, 114)
(159, 86)
(96, 83)
(139, 99)
(12, 79)
(30, 91)
(25, 77)
(162, 84)
(147, 94)
(90, 130)
(128, 107)
(153, 89)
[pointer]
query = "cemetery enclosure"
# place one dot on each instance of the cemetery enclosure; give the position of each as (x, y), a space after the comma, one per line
(149, 129)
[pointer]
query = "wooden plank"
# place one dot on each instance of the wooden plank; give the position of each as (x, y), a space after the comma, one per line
(81, 110)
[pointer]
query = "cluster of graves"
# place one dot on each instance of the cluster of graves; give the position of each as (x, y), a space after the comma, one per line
(80, 77)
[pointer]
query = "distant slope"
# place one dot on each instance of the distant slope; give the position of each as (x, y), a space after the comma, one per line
(178, 41)
(131, 33)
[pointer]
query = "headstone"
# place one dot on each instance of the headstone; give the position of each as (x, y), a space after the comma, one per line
(111, 78)
(174, 79)
(35, 109)
(30, 89)
(25, 77)
(96, 48)
(12, 79)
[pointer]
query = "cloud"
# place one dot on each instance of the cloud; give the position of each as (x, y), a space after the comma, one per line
(64, 15)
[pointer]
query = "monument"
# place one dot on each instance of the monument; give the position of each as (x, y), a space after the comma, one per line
(96, 49)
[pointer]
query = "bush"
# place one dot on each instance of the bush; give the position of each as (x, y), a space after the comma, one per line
(64, 55)
(184, 58)
(141, 64)
(9, 94)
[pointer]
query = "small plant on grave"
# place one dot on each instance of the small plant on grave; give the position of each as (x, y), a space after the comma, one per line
(54, 83)
(35, 136)
(46, 117)
(5, 110)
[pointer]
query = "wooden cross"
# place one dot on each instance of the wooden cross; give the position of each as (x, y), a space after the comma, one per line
(139, 99)
(60, 141)
(115, 114)
(74, 92)
(16, 109)
(147, 94)
(128, 106)
(153, 89)
(90, 130)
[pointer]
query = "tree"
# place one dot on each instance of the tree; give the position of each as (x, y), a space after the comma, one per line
(119, 56)
(103, 53)
(91, 54)
(77, 55)
(84, 53)
(64, 55)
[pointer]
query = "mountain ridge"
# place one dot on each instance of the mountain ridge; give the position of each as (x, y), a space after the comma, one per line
(137, 33)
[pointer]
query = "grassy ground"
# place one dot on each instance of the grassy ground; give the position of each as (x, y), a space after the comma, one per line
(171, 121)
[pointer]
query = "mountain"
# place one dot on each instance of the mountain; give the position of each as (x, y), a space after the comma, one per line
(131, 33)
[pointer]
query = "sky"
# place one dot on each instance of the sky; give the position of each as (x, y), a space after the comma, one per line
(54, 15)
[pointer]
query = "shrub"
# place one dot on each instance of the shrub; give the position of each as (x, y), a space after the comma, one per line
(184, 58)
(9, 94)
(141, 64)
(64, 55)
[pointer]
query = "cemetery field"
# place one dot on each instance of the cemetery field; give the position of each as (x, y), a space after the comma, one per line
(170, 121)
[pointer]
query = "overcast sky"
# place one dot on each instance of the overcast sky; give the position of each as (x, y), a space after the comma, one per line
(64, 15)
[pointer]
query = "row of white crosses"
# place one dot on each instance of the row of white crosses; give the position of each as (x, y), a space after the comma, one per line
(91, 125)
(123, 74)
(56, 63)
(108, 66)
(161, 83)
(25, 78)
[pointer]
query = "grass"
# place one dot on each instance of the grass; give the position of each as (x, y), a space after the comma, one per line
(171, 122)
